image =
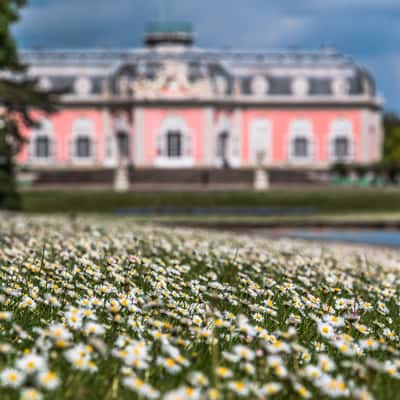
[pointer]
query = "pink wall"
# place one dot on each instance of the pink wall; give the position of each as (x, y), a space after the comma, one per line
(195, 121)
(153, 119)
(281, 119)
(62, 129)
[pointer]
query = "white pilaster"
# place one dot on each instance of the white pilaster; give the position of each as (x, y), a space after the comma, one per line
(236, 156)
(364, 135)
(109, 149)
(138, 137)
(209, 138)
(371, 136)
(379, 134)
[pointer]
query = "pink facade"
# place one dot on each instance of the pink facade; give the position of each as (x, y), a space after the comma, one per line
(202, 126)
(320, 120)
(62, 130)
(171, 105)
(153, 119)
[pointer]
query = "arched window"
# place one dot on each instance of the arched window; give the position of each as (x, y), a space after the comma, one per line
(174, 145)
(42, 142)
(301, 141)
(123, 143)
(82, 140)
(340, 141)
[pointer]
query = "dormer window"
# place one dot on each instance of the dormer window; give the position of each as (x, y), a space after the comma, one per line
(300, 86)
(259, 86)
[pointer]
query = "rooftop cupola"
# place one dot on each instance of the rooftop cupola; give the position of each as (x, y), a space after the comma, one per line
(169, 34)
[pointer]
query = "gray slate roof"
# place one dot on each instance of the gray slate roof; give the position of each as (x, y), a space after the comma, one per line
(279, 68)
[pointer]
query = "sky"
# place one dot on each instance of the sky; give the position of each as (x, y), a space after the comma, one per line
(366, 30)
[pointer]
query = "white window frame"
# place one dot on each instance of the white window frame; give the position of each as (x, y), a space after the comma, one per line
(256, 126)
(301, 128)
(45, 129)
(340, 128)
(83, 127)
(174, 123)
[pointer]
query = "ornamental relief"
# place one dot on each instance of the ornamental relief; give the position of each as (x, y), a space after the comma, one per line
(172, 82)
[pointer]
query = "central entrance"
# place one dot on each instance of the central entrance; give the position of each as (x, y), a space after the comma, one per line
(222, 148)
(123, 145)
(174, 144)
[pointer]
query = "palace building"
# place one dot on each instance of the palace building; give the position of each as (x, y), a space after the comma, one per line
(172, 105)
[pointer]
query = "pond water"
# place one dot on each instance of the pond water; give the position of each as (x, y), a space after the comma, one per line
(369, 237)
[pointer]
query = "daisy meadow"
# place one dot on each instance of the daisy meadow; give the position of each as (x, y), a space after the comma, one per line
(101, 308)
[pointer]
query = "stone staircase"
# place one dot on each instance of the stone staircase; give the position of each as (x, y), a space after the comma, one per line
(201, 178)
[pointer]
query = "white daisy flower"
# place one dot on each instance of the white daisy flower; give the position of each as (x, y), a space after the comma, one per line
(48, 380)
(333, 387)
(31, 394)
(241, 388)
(31, 363)
(12, 378)
(326, 330)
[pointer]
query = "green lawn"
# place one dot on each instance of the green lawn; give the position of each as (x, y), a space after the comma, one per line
(324, 201)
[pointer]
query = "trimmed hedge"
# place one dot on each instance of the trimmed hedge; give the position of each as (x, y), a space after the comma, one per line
(322, 200)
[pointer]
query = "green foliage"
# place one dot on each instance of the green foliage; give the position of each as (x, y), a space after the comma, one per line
(340, 169)
(9, 197)
(8, 52)
(18, 95)
(391, 152)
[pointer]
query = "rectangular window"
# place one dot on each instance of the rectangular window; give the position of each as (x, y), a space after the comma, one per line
(174, 144)
(301, 147)
(42, 149)
(83, 147)
(341, 148)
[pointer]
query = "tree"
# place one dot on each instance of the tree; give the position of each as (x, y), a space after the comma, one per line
(391, 148)
(19, 95)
